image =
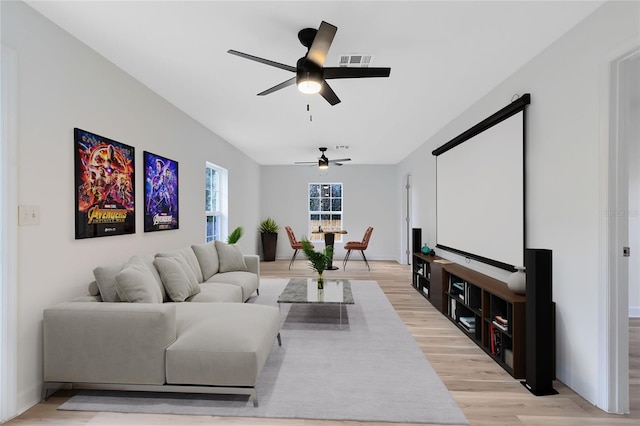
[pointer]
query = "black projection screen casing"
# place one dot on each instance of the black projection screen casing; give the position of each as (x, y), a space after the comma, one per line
(480, 189)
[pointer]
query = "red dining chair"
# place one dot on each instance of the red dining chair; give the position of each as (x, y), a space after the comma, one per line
(360, 246)
(295, 244)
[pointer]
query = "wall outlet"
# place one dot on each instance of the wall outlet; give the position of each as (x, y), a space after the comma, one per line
(28, 215)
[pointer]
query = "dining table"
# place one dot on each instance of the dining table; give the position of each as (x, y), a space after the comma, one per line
(329, 238)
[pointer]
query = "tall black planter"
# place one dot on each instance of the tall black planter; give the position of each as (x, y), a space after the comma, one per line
(269, 243)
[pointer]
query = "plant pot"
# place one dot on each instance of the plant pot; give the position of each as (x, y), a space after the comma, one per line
(320, 282)
(269, 243)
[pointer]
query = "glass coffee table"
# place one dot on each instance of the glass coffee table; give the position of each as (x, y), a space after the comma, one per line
(305, 290)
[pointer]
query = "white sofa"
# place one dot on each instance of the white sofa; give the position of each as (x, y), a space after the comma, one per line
(185, 328)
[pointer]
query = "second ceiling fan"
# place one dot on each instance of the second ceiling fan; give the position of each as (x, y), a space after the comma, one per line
(311, 75)
(323, 161)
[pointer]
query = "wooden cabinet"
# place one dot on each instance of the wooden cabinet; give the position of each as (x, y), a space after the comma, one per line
(489, 313)
(481, 306)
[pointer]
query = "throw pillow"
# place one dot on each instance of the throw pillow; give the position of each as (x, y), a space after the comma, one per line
(231, 258)
(189, 256)
(207, 256)
(93, 289)
(177, 277)
(106, 279)
(135, 283)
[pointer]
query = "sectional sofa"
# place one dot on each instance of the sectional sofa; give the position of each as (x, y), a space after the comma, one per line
(172, 322)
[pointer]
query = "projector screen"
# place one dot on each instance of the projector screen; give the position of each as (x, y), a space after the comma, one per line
(480, 190)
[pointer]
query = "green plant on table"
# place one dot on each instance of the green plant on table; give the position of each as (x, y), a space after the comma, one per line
(318, 260)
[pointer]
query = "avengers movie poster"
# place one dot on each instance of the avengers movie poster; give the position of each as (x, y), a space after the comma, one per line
(160, 193)
(105, 197)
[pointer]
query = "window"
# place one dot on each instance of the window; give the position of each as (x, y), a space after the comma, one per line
(215, 202)
(325, 209)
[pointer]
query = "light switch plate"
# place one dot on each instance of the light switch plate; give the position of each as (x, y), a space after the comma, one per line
(28, 215)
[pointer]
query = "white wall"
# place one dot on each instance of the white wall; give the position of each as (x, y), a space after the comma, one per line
(62, 84)
(371, 198)
(563, 194)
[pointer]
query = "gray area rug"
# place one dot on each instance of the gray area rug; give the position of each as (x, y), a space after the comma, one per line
(368, 368)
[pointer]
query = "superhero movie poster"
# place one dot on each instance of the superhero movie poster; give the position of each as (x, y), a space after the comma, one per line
(105, 197)
(160, 193)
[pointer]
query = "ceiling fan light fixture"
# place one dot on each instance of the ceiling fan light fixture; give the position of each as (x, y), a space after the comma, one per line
(323, 162)
(308, 77)
(309, 85)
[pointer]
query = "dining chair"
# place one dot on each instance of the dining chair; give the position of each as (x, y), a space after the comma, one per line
(360, 246)
(295, 244)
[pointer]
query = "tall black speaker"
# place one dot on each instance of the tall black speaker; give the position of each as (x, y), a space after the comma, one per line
(539, 323)
(416, 236)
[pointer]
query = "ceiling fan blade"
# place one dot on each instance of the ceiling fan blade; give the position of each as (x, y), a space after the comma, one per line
(327, 92)
(340, 160)
(282, 85)
(306, 162)
(346, 72)
(321, 43)
(262, 60)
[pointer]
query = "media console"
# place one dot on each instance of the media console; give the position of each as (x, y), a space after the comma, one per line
(482, 307)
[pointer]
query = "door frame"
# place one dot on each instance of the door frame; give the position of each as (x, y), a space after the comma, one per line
(613, 291)
(8, 235)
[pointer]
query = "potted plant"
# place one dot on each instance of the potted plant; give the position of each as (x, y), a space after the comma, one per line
(235, 235)
(269, 233)
(318, 260)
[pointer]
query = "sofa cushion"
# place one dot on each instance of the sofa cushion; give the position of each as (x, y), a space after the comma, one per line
(238, 340)
(177, 277)
(148, 259)
(207, 256)
(231, 257)
(218, 292)
(248, 281)
(135, 283)
(106, 279)
(93, 289)
(189, 256)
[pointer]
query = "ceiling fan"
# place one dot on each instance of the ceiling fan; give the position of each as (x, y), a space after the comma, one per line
(311, 75)
(323, 161)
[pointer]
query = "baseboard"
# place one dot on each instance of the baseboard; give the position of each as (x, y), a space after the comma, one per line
(634, 311)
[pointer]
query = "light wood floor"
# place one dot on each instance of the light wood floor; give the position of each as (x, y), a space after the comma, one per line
(483, 390)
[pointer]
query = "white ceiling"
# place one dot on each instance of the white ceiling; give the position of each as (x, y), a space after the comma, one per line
(444, 56)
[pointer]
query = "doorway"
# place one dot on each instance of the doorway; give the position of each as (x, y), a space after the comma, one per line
(621, 265)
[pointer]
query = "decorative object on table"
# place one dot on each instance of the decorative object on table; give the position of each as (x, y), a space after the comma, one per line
(104, 186)
(160, 193)
(432, 252)
(235, 235)
(425, 249)
(517, 282)
(269, 233)
(317, 260)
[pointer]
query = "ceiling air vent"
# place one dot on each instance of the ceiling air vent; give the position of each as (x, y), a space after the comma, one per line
(355, 60)
(340, 147)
